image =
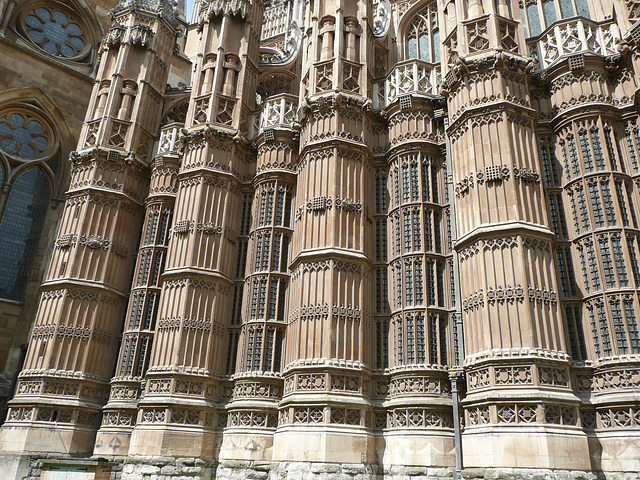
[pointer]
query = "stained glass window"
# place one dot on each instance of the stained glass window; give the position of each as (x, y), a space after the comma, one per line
(20, 230)
(56, 31)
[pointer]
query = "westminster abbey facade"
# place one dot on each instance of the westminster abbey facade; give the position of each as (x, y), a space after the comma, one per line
(319, 239)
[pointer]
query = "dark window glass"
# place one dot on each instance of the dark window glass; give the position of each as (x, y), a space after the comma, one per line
(20, 230)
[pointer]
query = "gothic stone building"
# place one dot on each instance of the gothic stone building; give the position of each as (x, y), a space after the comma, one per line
(319, 239)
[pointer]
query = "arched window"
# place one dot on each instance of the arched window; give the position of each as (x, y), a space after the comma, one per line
(26, 138)
(538, 15)
(423, 35)
(20, 229)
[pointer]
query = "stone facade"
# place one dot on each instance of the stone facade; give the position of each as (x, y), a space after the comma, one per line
(326, 239)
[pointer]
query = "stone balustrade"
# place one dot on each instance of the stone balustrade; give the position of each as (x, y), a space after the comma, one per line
(409, 77)
(278, 111)
(571, 36)
(168, 138)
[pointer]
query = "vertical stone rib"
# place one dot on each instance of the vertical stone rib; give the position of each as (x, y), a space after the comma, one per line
(514, 334)
(185, 383)
(83, 301)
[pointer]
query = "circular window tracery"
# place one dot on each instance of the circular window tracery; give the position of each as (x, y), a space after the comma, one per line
(24, 134)
(56, 30)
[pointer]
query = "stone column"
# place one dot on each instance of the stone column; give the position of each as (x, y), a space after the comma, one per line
(590, 159)
(515, 339)
(73, 345)
(182, 412)
(258, 384)
(325, 412)
(120, 413)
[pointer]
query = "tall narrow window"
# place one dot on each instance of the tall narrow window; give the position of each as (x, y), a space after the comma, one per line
(420, 343)
(410, 340)
(618, 328)
(618, 256)
(574, 210)
(407, 231)
(585, 271)
(550, 15)
(405, 184)
(608, 140)
(399, 340)
(431, 284)
(593, 267)
(632, 209)
(594, 332)
(584, 211)
(415, 190)
(632, 324)
(269, 213)
(428, 231)
(277, 245)
(437, 219)
(586, 151)
(635, 267)
(565, 157)
(280, 207)
(408, 267)
(434, 184)
(426, 191)
(419, 287)
(21, 226)
(417, 231)
(597, 149)
(632, 149)
(604, 330)
(623, 204)
(573, 154)
(608, 203)
(607, 263)
(596, 204)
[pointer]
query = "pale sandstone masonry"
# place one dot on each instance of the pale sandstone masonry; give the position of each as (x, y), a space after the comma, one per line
(351, 198)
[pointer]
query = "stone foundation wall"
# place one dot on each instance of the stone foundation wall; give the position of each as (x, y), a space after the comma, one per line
(169, 468)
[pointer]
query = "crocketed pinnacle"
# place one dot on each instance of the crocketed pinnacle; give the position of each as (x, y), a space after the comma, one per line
(167, 9)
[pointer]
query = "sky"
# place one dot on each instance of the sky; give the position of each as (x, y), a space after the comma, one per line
(189, 7)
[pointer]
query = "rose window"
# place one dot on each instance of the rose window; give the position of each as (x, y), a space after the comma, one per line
(23, 135)
(55, 31)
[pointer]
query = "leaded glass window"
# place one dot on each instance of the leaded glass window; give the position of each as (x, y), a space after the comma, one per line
(593, 267)
(608, 203)
(607, 263)
(573, 154)
(417, 231)
(623, 204)
(410, 340)
(618, 256)
(618, 328)
(586, 151)
(596, 204)
(604, 330)
(632, 209)
(56, 30)
(635, 267)
(419, 286)
(405, 184)
(20, 229)
(632, 151)
(415, 189)
(408, 283)
(597, 149)
(632, 324)
(420, 340)
(610, 150)
(423, 38)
